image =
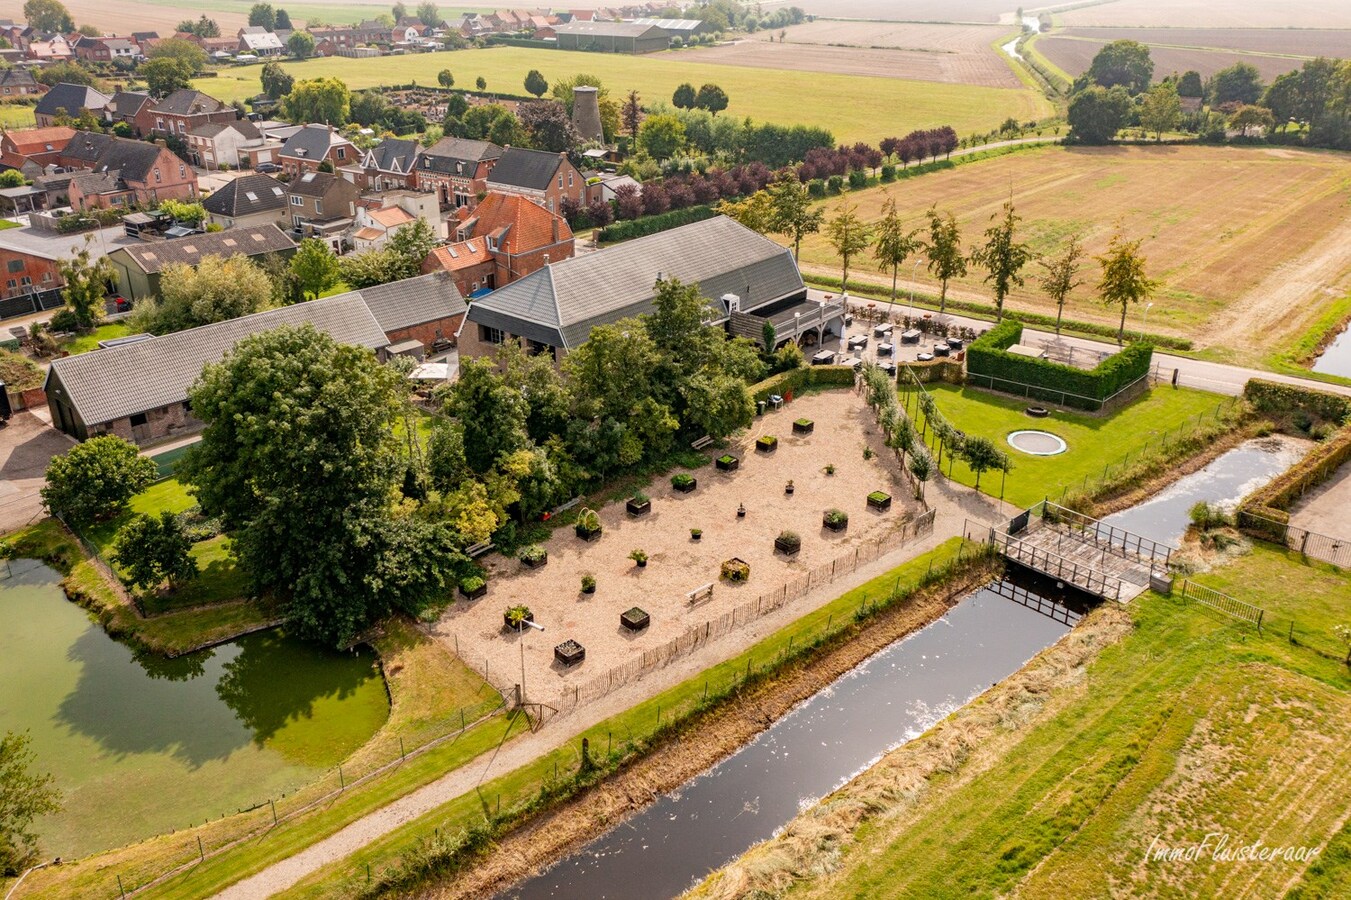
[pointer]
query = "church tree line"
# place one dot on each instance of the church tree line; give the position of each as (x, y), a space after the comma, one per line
(1310, 105)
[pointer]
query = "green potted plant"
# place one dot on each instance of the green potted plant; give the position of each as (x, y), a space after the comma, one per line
(639, 504)
(696, 533)
(803, 426)
(879, 500)
(788, 543)
(727, 463)
(588, 526)
(788, 488)
(588, 583)
(534, 556)
(684, 482)
(835, 519)
(639, 558)
(516, 616)
(830, 469)
(766, 443)
(472, 587)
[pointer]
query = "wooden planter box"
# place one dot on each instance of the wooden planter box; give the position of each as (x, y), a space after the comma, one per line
(766, 444)
(569, 653)
(588, 535)
(687, 488)
(506, 620)
(878, 500)
(834, 526)
(727, 463)
(803, 426)
(475, 593)
(535, 563)
(637, 508)
(635, 619)
(786, 547)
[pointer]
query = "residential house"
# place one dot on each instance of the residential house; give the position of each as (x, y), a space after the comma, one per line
(26, 272)
(379, 216)
(69, 101)
(91, 49)
(128, 172)
(248, 200)
(504, 239)
(138, 267)
(427, 308)
(310, 146)
(123, 108)
(321, 205)
(389, 164)
(456, 170)
(51, 48)
(611, 37)
(181, 112)
(224, 143)
(259, 41)
(336, 36)
(19, 82)
(139, 391)
(373, 32)
(748, 278)
(544, 178)
(33, 149)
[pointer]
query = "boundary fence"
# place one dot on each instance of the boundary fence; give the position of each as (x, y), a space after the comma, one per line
(1326, 548)
(706, 632)
(1327, 643)
(1222, 602)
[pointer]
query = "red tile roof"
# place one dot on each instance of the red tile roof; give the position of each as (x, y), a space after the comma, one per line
(529, 225)
(35, 140)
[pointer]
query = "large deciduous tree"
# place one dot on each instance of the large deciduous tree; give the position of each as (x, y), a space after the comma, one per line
(1249, 117)
(277, 82)
(94, 480)
(315, 267)
(185, 51)
(165, 75)
(1123, 280)
(48, 15)
(1096, 114)
(299, 461)
(87, 282)
(1161, 110)
(1240, 83)
(849, 235)
(325, 100)
(548, 126)
(712, 98)
(300, 44)
(214, 290)
(944, 249)
(661, 136)
(1002, 256)
(791, 212)
(152, 550)
(1124, 63)
(24, 796)
(1062, 276)
(894, 244)
(684, 97)
(263, 15)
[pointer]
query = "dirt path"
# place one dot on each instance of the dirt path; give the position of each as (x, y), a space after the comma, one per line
(955, 504)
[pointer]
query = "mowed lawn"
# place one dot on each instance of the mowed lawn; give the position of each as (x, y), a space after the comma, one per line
(853, 107)
(1193, 724)
(1248, 244)
(16, 115)
(1095, 441)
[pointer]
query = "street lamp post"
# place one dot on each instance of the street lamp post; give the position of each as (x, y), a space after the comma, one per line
(914, 274)
(1144, 326)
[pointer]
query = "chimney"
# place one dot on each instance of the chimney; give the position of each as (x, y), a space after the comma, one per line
(553, 222)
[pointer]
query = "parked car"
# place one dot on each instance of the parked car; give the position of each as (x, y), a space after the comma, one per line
(267, 168)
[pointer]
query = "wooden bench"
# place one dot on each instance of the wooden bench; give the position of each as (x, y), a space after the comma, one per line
(477, 550)
(703, 442)
(701, 593)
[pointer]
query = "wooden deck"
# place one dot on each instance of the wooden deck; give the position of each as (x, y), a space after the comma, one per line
(1076, 557)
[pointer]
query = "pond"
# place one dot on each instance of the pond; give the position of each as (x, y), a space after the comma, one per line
(1336, 357)
(1224, 481)
(140, 746)
(891, 698)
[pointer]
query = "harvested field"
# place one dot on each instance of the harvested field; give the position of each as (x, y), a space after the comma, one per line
(1249, 244)
(678, 564)
(1213, 14)
(1304, 42)
(905, 10)
(953, 54)
(1073, 55)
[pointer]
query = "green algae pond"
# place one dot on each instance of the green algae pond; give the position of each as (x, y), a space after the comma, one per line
(140, 744)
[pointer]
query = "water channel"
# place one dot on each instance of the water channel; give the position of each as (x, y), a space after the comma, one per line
(140, 745)
(1336, 357)
(889, 699)
(1031, 25)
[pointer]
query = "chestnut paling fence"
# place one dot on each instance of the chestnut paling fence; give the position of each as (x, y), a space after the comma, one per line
(574, 696)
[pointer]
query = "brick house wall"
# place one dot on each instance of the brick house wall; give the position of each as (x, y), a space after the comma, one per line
(20, 272)
(341, 155)
(149, 121)
(153, 425)
(454, 190)
(473, 346)
(428, 332)
(176, 181)
(567, 182)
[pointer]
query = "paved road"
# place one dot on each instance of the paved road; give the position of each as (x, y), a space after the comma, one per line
(1208, 376)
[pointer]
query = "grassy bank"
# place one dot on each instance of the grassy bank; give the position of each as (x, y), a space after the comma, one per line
(1190, 724)
(442, 842)
(1110, 450)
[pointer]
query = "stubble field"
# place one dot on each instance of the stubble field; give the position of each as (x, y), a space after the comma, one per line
(1074, 55)
(952, 54)
(905, 10)
(1248, 245)
(1213, 14)
(853, 107)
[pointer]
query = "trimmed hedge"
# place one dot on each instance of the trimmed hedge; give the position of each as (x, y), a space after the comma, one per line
(987, 357)
(636, 228)
(795, 381)
(1283, 399)
(1273, 501)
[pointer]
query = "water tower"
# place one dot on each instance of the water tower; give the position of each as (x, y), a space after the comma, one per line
(586, 113)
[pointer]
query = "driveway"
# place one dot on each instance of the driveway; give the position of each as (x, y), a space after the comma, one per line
(27, 444)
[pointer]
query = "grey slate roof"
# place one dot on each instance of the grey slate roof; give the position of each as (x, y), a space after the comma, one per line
(394, 155)
(104, 153)
(413, 301)
(532, 169)
(311, 142)
(187, 102)
(109, 384)
(189, 251)
(72, 98)
(608, 29)
(457, 156)
(245, 195)
(128, 103)
(562, 302)
(312, 184)
(17, 77)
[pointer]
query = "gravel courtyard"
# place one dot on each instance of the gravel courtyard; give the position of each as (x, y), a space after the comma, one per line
(843, 427)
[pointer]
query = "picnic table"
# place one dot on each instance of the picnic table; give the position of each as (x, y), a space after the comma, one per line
(882, 330)
(885, 349)
(910, 337)
(823, 358)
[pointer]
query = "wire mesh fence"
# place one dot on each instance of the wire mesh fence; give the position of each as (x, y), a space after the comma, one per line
(1323, 547)
(740, 616)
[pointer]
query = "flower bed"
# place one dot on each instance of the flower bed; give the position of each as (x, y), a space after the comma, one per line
(635, 619)
(727, 463)
(803, 426)
(684, 483)
(879, 500)
(569, 653)
(736, 571)
(766, 443)
(473, 587)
